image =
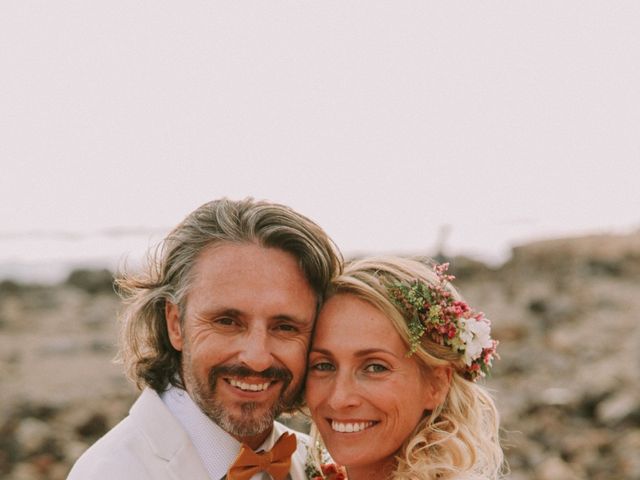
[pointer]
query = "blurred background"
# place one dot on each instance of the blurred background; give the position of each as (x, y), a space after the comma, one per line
(503, 136)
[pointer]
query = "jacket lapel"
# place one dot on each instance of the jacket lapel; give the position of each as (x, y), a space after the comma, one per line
(167, 438)
(186, 464)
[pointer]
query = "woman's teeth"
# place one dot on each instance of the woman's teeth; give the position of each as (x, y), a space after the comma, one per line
(350, 427)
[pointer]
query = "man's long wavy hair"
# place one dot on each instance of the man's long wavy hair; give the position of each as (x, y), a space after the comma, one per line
(460, 438)
(145, 350)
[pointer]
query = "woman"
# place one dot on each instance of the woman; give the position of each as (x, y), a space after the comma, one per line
(391, 376)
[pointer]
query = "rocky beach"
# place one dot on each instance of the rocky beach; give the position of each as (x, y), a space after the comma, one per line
(566, 313)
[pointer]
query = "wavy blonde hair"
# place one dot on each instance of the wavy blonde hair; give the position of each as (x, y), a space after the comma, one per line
(460, 438)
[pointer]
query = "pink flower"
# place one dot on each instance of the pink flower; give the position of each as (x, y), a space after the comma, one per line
(331, 471)
(459, 308)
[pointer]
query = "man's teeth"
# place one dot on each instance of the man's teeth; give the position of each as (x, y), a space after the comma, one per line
(350, 427)
(251, 387)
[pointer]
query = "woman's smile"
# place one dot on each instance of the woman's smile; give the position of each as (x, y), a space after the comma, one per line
(350, 426)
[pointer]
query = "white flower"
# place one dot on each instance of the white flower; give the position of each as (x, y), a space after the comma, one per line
(476, 334)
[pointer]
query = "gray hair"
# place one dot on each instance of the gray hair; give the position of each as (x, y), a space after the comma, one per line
(145, 349)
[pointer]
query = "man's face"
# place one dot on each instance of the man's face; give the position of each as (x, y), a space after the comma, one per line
(244, 336)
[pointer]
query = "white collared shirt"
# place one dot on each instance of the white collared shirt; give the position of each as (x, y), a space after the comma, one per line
(216, 448)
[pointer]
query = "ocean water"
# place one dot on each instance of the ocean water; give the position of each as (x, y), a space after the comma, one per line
(48, 257)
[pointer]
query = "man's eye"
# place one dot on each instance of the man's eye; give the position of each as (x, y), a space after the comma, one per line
(375, 368)
(323, 367)
(286, 327)
(226, 321)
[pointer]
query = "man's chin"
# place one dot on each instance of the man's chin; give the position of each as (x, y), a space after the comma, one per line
(241, 418)
(243, 425)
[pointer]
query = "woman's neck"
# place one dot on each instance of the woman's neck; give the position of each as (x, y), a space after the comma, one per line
(377, 471)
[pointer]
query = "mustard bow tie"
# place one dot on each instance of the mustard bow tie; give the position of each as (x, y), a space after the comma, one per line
(275, 462)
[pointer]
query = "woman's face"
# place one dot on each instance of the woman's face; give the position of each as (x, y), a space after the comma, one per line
(365, 395)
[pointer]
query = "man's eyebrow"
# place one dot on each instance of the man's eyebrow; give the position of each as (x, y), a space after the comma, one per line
(292, 318)
(218, 311)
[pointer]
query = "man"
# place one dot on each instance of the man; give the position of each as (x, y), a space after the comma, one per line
(217, 332)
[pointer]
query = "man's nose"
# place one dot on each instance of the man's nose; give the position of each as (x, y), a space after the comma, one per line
(256, 350)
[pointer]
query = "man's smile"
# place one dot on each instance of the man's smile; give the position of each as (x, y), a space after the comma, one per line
(248, 386)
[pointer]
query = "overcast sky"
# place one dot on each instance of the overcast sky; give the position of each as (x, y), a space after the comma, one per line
(382, 121)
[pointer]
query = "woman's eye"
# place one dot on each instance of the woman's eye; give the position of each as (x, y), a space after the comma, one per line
(323, 367)
(375, 368)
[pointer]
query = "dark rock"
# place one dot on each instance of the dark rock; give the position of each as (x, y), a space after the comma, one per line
(554, 310)
(10, 287)
(538, 306)
(610, 267)
(466, 269)
(39, 411)
(9, 448)
(91, 281)
(95, 426)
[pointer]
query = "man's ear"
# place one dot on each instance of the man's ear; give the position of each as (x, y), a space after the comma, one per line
(436, 386)
(174, 326)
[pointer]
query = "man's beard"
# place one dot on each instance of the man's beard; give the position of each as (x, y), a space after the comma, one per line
(247, 424)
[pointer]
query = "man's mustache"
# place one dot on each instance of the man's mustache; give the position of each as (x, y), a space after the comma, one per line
(271, 373)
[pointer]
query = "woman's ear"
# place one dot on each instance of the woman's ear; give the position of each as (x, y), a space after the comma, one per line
(174, 326)
(436, 386)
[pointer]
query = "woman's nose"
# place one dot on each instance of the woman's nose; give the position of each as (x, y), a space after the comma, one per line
(345, 393)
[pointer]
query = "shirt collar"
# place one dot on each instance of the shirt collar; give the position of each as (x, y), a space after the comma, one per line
(217, 448)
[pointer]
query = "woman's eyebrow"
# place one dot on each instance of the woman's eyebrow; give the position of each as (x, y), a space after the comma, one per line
(322, 351)
(371, 351)
(360, 353)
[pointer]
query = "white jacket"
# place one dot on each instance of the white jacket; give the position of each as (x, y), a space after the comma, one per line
(150, 444)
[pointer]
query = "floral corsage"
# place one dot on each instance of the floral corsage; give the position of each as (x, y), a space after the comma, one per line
(318, 465)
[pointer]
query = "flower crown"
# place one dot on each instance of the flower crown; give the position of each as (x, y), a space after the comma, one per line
(435, 313)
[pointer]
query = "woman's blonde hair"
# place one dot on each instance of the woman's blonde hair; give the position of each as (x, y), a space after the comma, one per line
(460, 438)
